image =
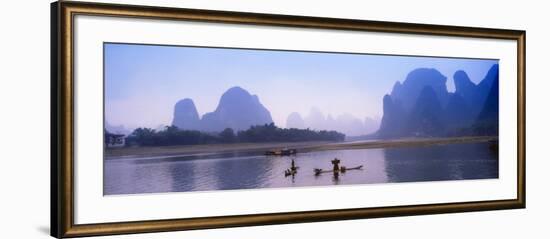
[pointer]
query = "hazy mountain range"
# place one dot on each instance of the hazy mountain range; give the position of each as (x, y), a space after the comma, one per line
(117, 129)
(344, 123)
(237, 109)
(422, 106)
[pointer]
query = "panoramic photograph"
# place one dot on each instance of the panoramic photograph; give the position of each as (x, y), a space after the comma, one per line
(188, 119)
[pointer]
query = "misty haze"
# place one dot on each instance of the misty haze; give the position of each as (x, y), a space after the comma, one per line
(181, 119)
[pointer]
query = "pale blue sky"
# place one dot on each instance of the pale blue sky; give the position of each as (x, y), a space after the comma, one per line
(143, 82)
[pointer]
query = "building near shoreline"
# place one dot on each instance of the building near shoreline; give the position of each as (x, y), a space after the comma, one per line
(114, 140)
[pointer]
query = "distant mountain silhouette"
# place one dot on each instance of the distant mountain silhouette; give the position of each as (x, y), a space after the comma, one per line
(490, 108)
(186, 115)
(473, 94)
(117, 129)
(459, 112)
(332, 123)
(408, 92)
(316, 119)
(295, 120)
(371, 124)
(426, 116)
(237, 109)
(345, 123)
(422, 106)
(487, 121)
(465, 88)
(485, 86)
(393, 120)
(349, 125)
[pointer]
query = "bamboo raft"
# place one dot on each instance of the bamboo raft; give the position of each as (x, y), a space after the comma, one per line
(291, 172)
(342, 169)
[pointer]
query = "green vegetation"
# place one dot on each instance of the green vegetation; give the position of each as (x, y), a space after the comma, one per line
(172, 135)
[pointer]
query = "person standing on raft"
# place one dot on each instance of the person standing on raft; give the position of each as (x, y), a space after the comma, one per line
(336, 165)
(292, 165)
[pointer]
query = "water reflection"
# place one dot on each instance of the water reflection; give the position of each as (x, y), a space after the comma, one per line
(443, 162)
(181, 175)
(238, 170)
(234, 174)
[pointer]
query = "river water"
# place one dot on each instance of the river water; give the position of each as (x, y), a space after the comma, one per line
(252, 170)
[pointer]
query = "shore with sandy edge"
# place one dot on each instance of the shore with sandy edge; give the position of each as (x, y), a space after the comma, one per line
(142, 152)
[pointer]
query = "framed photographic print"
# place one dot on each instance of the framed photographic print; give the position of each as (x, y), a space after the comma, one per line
(170, 119)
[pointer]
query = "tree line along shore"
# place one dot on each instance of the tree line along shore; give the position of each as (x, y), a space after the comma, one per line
(149, 151)
(172, 136)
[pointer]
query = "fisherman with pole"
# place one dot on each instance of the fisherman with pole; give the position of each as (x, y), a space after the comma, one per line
(336, 165)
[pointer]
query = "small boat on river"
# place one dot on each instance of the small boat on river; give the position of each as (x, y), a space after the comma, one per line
(281, 152)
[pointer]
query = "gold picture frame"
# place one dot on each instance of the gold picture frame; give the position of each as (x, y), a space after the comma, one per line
(62, 123)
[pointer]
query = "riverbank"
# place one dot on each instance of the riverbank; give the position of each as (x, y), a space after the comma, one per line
(143, 152)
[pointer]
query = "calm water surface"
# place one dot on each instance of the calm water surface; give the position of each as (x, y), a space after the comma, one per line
(252, 170)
